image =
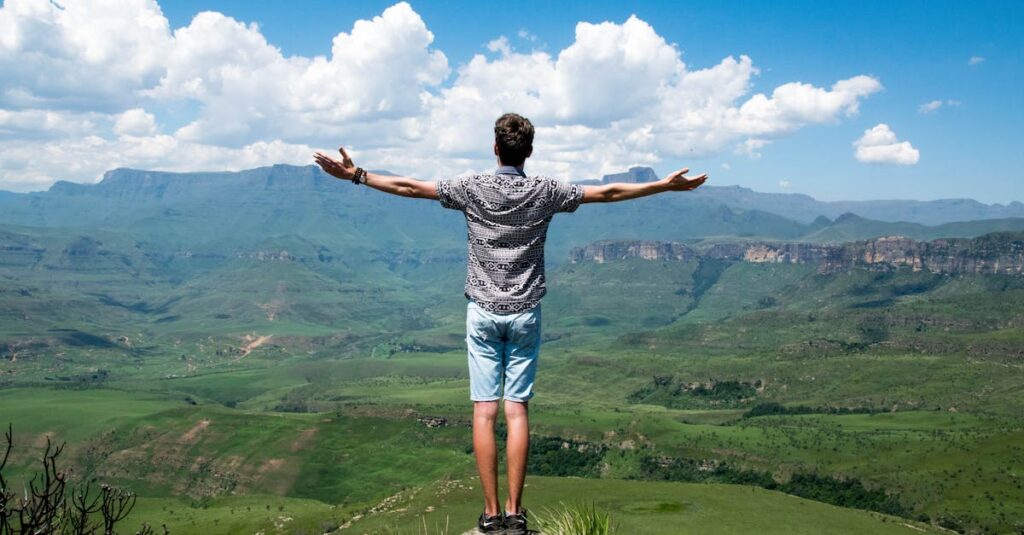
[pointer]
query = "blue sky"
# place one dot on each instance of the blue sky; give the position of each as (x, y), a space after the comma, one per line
(950, 121)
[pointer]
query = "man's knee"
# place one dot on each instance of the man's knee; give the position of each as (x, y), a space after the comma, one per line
(485, 411)
(516, 409)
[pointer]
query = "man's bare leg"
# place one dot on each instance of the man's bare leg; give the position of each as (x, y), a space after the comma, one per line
(517, 447)
(485, 450)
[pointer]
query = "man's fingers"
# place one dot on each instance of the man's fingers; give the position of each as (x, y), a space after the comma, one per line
(682, 171)
(690, 182)
(328, 164)
(343, 153)
(323, 158)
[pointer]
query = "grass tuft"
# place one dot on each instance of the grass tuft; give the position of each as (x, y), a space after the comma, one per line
(576, 519)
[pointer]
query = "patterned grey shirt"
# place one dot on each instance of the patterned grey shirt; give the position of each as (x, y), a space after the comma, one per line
(507, 217)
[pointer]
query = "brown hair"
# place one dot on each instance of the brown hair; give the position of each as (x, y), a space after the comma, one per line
(513, 134)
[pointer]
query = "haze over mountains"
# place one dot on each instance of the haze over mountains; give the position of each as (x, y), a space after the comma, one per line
(284, 199)
(805, 208)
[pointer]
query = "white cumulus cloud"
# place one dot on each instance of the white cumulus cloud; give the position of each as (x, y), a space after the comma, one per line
(880, 145)
(933, 105)
(620, 95)
(751, 148)
(90, 156)
(135, 122)
(250, 91)
(87, 80)
(34, 124)
(79, 55)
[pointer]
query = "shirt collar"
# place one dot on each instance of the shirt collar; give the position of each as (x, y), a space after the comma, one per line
(508, 170)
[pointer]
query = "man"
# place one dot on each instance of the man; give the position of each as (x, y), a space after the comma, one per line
(507, 214)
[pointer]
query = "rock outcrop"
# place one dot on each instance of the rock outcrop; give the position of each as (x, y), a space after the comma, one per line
(996, 253)
(608, 250)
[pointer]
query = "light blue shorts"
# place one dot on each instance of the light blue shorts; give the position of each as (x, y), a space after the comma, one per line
(503, 351)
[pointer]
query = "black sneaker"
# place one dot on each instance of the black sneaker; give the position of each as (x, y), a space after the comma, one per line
(490, 524)
(516, 524)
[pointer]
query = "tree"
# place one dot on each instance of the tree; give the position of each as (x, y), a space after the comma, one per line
(48, 505)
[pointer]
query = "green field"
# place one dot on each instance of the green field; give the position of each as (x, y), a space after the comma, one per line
(253, 391)
(264, 470)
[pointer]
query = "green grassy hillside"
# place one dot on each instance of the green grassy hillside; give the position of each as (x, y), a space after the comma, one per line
(294, 380)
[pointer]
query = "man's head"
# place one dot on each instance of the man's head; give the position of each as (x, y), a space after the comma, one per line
(513, 139)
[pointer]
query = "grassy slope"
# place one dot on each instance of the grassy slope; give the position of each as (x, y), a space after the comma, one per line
(154, 436)
(907, 340)
(653, 508)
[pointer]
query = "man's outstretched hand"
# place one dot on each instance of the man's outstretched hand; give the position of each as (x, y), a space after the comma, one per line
(395, 185)
(624, 191)
(343, 168)
(678, 182)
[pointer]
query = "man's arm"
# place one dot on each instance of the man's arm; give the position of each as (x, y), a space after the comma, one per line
(396, 185)
(623, 191)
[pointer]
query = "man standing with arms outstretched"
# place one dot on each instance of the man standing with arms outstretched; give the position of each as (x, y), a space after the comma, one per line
(507, 216)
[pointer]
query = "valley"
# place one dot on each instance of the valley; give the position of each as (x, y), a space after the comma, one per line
(275, 351)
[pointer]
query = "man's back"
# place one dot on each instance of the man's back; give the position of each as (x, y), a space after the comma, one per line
(507, 216)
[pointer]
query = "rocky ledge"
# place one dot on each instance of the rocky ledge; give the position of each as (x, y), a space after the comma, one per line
(996, 253)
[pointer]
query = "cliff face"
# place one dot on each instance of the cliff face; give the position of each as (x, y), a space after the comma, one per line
(997, 253)
(609, 250)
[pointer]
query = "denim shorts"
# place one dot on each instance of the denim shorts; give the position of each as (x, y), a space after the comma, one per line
(503, 351)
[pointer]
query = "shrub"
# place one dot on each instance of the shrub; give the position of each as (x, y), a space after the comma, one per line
(50, 505)
(576, 519)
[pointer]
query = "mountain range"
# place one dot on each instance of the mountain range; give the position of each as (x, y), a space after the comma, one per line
(193, 209)
(804, 208)
(196, 250)
(153, 185)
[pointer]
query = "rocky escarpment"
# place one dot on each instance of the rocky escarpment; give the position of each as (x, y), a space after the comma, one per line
(996, 253)
(608, 250)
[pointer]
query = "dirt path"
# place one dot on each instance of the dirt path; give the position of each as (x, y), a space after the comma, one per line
(192, 434)
(304, 439)
(253, 343)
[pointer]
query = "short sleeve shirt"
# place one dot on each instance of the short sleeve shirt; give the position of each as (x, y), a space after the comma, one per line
(507, 217)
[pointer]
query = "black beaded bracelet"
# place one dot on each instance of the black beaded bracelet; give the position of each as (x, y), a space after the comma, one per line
(359, 177)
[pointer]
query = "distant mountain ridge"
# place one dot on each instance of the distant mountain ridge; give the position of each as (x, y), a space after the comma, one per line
(213, 211)
(795, 206)
(239, 208)
(805, 209)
